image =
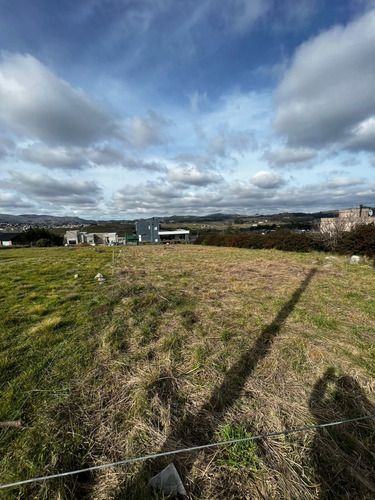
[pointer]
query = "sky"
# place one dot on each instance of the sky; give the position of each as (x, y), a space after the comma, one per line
(124, 109)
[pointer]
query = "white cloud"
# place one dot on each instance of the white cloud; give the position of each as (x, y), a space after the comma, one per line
(201, 162)
(240, 15)
(267, 180)
(287, 156)
(340, 182)
(36, 104)
(54, 157)
(74, 158)
(363, 136)
(191, 176)
(328, 90)
(55, 190)
(150, 198)
(11, 201)
(159, 198)
(147, 131)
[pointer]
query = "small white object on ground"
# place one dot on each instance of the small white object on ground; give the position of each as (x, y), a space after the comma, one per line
(99, 275)
(355, 259)
(76, 275)
(169, 481)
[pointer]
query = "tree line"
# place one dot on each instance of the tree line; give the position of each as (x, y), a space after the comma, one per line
(41, 237)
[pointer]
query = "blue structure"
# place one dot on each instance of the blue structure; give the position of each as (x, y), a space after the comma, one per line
(148, 230)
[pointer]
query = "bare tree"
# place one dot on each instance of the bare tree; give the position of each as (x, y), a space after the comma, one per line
(330, 230)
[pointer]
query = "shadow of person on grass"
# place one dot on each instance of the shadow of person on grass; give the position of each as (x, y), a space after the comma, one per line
(199, 428)
(343, 456)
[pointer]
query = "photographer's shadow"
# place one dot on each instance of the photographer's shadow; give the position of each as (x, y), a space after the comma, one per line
(343, 456)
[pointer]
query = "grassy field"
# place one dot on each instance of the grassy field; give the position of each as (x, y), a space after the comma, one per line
(182, 346)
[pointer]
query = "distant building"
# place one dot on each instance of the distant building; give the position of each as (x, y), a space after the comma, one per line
(348, 219)
(76, 237)
(132, 239)
(148, 231)
(10, 239)
(178, 236)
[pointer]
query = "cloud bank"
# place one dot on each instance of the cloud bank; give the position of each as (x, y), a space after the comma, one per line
(327, 95)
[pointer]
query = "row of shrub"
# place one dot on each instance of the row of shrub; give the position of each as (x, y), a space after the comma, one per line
(359, 241)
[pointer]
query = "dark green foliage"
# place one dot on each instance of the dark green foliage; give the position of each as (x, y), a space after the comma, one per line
(281, 240)
(360, 241)
(35, 234)
(43, 242)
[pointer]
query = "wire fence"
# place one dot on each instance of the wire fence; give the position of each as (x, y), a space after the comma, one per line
(186, 450)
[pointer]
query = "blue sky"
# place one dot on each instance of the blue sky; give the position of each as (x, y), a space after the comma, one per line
(113, 109)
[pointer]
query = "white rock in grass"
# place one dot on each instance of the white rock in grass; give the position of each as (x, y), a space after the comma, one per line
(328, 266)
(355, 259)
(99, 275)
(76, 276)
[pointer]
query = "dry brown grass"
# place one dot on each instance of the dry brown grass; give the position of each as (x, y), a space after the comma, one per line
(205, 337)
(189, 318)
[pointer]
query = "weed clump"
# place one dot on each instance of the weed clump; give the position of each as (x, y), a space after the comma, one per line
(239, 455)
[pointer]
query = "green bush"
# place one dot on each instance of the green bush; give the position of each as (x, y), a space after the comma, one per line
(35, 234)
(360, 241)
(43, 242)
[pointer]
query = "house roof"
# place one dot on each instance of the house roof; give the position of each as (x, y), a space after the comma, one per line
(8, 236)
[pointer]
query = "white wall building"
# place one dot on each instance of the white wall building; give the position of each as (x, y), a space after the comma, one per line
(75, 237)
(347, 220)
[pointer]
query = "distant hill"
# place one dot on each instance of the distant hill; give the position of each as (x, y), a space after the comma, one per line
(219, 217)
(52, 220)
(34, 219)
(201, 218)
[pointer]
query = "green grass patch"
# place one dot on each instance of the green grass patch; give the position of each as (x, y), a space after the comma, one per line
(242, 454)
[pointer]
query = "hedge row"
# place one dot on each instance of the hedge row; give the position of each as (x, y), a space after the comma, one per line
(360, 241)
